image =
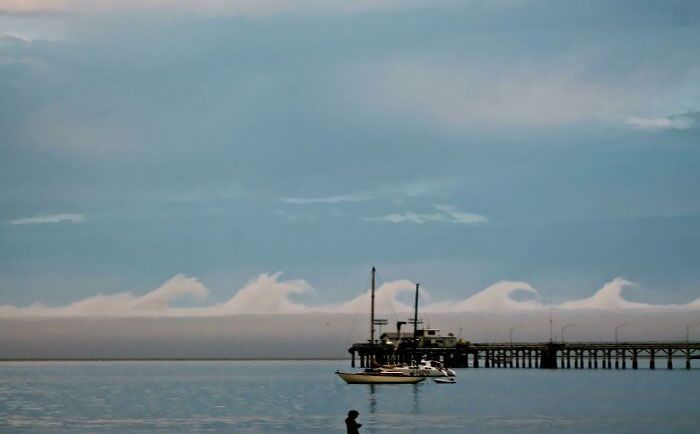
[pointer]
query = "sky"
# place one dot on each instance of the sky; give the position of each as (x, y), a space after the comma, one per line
(207, 158)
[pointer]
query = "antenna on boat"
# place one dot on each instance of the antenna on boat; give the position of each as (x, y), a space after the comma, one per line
(415, 317)
(551, 314)
(371, 319)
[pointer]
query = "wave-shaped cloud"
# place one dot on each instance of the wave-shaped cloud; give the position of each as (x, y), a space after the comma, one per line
(154, 303)
(495, 298)
(264, 295)
(269, 294)
(694, 304)
(385, 297)
(609, 297)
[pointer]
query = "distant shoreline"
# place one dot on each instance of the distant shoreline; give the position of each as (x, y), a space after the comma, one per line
(176, 359)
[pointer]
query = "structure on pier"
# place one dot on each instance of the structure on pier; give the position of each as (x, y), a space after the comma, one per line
(425, 337)
(546, 355)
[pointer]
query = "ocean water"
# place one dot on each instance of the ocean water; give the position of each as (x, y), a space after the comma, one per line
(306, 397)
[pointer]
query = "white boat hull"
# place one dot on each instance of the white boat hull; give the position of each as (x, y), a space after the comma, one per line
(378, 378)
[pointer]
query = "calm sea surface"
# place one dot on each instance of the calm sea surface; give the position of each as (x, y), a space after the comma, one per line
(296, 397)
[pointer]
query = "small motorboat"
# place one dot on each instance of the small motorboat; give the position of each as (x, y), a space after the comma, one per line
(436, 369)
(448, 380)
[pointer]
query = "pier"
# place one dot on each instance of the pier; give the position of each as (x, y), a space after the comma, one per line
(404, 347)
(538, 355)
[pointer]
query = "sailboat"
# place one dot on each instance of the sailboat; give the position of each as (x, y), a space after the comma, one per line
(380, 375)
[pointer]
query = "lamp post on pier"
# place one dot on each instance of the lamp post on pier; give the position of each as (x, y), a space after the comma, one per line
(687, 330)
(510, 332)
(564, 328)
(617, 327)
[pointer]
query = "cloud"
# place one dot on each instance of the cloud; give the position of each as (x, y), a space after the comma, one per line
(264, 295)
(407, 217)
(296, 218)
(12, 7)
(48, 218)
(254, 8)
(609, 297)
(680, 122)
(456, 216)
(466, 95)
(446, 214)
(495, 298)
(694, 304)
(154, 303)
(386, 299)
(267, 294)
(14, 40)
(399, 191)
(178, 287)
(330, 199)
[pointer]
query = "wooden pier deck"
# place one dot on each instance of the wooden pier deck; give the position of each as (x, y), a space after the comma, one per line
(542, 355)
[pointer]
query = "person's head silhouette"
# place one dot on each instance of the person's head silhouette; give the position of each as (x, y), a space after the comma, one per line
(352, 414)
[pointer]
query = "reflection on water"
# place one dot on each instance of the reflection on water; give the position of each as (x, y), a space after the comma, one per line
(414, 394)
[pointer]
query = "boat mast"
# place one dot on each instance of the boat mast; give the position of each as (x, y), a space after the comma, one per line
(415, 318)
(371, 316)
(551, 336)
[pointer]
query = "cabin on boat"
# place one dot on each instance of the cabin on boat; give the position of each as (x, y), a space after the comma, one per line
(426, 338)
